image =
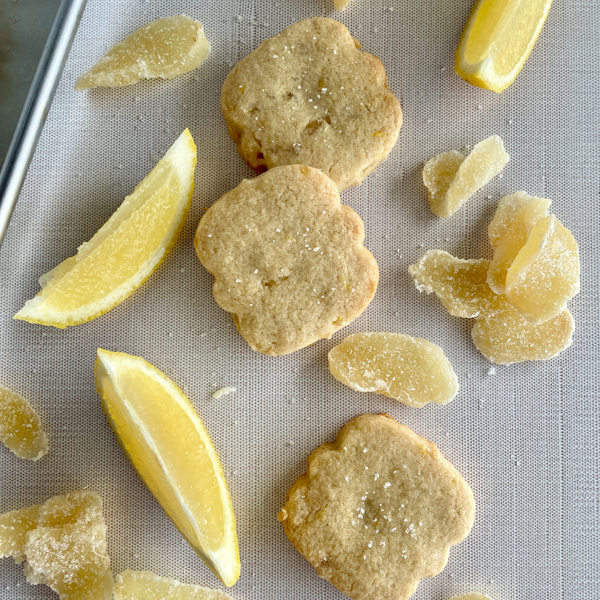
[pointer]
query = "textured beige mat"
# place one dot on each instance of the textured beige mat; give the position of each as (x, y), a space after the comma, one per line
(526, 438)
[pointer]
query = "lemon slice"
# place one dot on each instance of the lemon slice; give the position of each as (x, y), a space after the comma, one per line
(125, 251)
(164, 48)
(497, 40)
(166, 443)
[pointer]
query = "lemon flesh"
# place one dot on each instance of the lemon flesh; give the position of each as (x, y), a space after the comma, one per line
(164, 48)
(165, 441)
(497, 40)
(125, 251)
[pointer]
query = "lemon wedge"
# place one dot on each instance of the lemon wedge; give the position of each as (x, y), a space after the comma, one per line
(165, 441)
(126, 249)
(497, 40)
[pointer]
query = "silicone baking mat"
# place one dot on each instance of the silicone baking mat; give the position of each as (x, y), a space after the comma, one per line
(525, 436)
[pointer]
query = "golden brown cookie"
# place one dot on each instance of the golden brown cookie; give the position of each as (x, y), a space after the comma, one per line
(287, 258)
(378, 510)
(309, 96)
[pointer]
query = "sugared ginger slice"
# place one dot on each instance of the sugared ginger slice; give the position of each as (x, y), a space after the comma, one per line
(506, 337)
(452, 181)
(72, 560)
(438, 174)
(411, 370)
(144, 585)
(340, 4)
(507, 210)
(461, 285)
(64, 543)
(500, 333)
(20, 427)
(513, 238)
(164, 48)
(545, 274)
(14, 526)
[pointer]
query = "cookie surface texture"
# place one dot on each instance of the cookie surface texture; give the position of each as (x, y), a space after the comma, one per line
(309, 96)
(287, 258)
(378, 510)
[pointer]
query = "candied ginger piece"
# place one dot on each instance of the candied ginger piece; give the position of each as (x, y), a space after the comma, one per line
(340, 4)
(438, 174)
(506, 337)
(20, 427)
(508, 208)
(72, 560)
(484, 162)
(144, 585)
(64, 543)
(461, 285)
(513, 240)
(75, 508)
(164, 48)
(14, 526)
(411, 370)
(545, 274)
(500, 333)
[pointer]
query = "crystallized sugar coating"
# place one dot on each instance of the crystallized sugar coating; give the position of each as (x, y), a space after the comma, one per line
(506, 337)
(451, 180)
(76, 508)
(545, 274)
(64, 543)
(224, 391)
(500, 333)
(513, 237)
(288, 259)
(461, 285)
(507, 210)
(144, 585)
(378, 510)
(411, 370)
(14, 526)
(164, 48)
(72, 560)
(20, 427)
(309, 96)
(340, 4)
(438, 174)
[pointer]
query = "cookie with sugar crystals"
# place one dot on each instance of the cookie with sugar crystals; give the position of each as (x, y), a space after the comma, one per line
(309, 96)
(288, 259)
(378, 510)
